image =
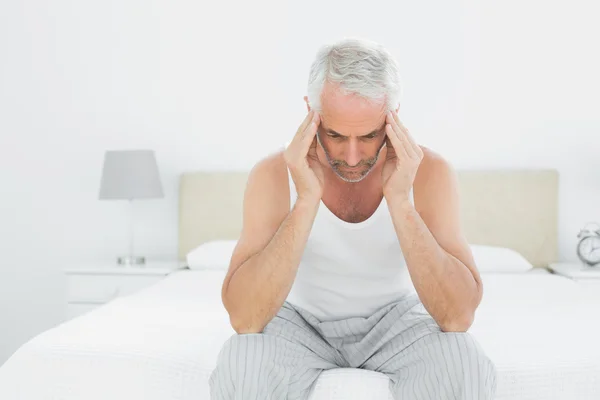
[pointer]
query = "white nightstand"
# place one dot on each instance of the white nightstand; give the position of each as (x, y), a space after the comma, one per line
(92, 285)
(579, 272)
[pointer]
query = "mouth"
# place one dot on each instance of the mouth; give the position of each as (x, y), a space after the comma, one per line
(353, 168)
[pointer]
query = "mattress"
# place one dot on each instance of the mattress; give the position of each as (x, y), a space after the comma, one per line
(162, 343)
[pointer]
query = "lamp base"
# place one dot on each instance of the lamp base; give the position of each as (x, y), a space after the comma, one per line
(131, 260)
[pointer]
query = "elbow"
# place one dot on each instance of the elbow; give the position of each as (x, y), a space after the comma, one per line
(241, 324)
(238, 321)
(463, 319)
(240, 316)
(244, 327)
(458, 324)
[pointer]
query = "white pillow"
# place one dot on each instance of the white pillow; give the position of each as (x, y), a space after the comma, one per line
(499, 259)
(215, 254)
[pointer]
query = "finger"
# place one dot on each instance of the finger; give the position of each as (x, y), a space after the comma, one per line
(305, 123)
(315, 140)
(309, 116)
(299, 136)
(312, 150)
(389, 152)
(396, 143)
(310, 133)
(398, 135)
(410, 151)
(406, 132)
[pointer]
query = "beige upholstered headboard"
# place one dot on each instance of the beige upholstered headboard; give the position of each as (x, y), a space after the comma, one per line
(517, 209)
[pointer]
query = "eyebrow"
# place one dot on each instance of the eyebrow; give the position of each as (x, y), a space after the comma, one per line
(374, 132)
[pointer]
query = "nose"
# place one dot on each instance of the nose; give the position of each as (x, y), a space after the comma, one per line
(353, 154)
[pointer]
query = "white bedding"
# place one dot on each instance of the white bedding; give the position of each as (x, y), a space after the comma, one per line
(162, 342)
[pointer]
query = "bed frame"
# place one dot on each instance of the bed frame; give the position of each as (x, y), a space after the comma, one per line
(515, 208)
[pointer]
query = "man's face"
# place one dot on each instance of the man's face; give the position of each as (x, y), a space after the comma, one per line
(351, 133)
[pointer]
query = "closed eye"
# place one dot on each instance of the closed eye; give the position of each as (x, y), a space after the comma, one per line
(334, 136)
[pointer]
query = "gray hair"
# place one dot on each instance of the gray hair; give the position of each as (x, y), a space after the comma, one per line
(360, 67)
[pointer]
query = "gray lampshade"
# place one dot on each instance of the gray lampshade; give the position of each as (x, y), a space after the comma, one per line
(130, 174)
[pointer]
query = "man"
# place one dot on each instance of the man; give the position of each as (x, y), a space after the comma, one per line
(351, 252)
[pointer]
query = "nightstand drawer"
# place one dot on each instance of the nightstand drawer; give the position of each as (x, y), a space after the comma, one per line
(98, 289)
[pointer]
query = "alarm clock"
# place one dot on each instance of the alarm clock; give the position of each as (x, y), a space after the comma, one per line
(588, 248)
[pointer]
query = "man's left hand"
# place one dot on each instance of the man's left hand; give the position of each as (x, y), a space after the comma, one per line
(403, 157)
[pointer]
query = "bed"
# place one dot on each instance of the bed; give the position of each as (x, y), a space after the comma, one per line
(162, 342)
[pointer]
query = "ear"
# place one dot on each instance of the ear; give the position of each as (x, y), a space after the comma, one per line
(306, 101)
(397, 108)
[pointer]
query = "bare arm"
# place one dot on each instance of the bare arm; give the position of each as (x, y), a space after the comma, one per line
(438, 256)
(264, 264)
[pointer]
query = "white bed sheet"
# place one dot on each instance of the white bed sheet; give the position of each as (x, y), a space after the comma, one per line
(162, 343)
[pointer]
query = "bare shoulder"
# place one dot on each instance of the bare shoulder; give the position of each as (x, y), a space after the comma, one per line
(267, 195)
(269, 176)
(435, 179)
(432, 158)
(432, 166)
(266, 204)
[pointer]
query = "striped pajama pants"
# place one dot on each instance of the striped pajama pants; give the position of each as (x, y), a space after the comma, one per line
(400, 340)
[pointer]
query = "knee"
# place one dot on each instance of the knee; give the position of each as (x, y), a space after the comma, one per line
(235, 362)
(445, 365)
(246, 363)
(471, 373)
(238, 353)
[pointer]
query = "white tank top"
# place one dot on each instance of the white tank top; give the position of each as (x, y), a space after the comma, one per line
(349, 269)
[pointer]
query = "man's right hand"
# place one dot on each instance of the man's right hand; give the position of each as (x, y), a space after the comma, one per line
(301, 159)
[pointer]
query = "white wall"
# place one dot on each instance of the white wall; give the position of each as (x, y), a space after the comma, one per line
(209, 85)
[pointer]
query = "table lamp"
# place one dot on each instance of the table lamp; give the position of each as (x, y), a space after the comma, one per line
(129, 175)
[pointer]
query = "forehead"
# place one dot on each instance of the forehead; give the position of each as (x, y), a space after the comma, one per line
(350, 114)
